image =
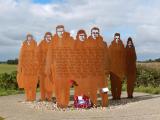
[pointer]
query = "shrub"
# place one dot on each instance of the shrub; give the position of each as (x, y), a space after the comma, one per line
(8, 81)
(147, 77)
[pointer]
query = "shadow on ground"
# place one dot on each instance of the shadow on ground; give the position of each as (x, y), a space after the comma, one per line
(123, 100)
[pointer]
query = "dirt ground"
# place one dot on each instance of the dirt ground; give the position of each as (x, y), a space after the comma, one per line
(141, 107)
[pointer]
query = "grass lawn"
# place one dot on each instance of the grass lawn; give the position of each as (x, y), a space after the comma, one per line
(149, 89)
(1, 118)
(4, 92)
(10, 92)
(7, 68)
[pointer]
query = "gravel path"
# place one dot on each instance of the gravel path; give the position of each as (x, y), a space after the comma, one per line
(141, 107)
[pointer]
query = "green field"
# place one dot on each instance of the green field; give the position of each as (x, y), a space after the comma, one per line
(6, 68)
(1, 118)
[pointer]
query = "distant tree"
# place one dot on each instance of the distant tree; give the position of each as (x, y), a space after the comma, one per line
(15, 61)
(157, 60)
(150, 60)
(2, 62)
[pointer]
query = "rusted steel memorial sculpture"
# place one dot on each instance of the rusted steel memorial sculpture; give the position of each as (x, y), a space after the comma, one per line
(130, 67)
(46, 93)
(58, 64)
(85, 63)
(27, 68)
(118, 63)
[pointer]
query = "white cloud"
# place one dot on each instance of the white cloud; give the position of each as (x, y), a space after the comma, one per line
(138, 19)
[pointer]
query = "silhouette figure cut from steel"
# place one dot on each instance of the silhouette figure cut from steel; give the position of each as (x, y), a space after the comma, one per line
(27, 68)
(46, 92)
(117, 60)
(130, 66)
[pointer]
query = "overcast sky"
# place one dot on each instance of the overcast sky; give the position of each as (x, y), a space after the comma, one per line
(139, 19)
